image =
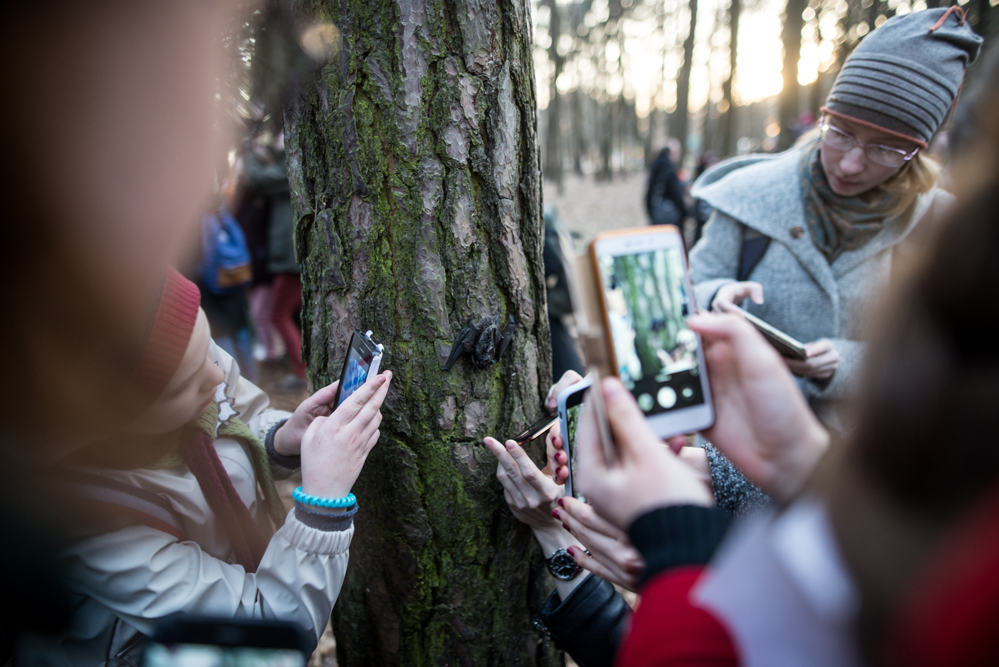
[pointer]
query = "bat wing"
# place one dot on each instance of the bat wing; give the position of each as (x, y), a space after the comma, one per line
(505, 338)
(464, 343)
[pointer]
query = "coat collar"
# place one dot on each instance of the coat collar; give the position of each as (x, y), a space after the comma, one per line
(763, 192)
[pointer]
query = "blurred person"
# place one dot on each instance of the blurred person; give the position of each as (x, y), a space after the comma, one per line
(178, 513)
(815, 230)
(252, 211)
(702, 209)
(664, 196)
(224, 274)
(270, 176)
(565, 356)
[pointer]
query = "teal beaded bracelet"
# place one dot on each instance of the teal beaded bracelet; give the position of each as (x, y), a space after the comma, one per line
(304, 498)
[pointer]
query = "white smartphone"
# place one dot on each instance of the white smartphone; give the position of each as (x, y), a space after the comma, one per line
(646, 296)
(570, 404)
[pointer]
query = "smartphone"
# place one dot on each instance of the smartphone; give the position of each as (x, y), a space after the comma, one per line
(185, 641)
(363, 358)
(646, 296)
(570, 404)
(536, 430)
(786, 345)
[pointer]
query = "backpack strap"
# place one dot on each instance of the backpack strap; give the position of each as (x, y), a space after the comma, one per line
(137, 504)
(754, 246)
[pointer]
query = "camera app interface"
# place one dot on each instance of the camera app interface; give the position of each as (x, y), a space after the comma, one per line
(656, 352)
(355, 373)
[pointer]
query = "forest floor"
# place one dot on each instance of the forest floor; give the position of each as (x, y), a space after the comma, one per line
(586, 206)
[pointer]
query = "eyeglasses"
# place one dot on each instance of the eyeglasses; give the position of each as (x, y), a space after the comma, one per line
(886, 156)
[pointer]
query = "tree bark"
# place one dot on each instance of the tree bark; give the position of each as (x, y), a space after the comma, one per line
(788, 102)
(728, 87)
(416, 188)
(683, 84)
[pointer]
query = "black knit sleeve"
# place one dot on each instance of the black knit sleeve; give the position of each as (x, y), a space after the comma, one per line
(283, 466)
(680, 535)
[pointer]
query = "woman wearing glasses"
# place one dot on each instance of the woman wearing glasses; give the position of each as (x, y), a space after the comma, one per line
(806, 239)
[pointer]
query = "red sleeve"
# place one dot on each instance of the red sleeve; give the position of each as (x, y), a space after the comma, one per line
(668, 631)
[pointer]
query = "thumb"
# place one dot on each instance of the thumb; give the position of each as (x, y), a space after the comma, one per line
(325, 395)
(313, 429)
(756, 292)
(630, 429)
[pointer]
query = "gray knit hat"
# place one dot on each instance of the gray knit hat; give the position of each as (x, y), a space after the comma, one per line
(904, 76)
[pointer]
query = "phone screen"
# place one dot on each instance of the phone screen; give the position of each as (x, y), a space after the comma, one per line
(355, 371)
(646, 298)
(205, 655)
(572, 409)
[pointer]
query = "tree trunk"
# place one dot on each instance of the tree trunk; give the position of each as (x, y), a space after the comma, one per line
(416, 188)
(553, 147)
(788, 102)
(728, 87)
(683, 85)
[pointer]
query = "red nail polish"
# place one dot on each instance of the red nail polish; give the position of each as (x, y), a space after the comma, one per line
(567, 527)
(555, 514)
(560, 503)
(571, 552)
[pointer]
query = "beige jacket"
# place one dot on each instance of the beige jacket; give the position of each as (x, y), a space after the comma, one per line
(129, 579)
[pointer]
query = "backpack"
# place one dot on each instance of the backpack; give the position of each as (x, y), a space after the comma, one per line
(225, 257)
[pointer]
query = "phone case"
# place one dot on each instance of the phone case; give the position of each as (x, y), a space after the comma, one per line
(376, 350)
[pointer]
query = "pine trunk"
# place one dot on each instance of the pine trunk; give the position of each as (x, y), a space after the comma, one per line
(789, 100)
(683, 84)
(416, 187)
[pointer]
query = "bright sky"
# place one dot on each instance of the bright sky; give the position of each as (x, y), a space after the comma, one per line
(758, 74)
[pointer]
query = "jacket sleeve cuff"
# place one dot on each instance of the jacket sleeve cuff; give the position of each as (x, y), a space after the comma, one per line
(283, 466)
(325, 521)
(670, 537)
(589, 624)
(734, 493)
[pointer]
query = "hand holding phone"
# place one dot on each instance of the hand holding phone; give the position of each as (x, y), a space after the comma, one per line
(645, 297)
(646, 474)
(570, 403)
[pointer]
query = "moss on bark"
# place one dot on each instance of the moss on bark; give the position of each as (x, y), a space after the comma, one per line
(416, 190)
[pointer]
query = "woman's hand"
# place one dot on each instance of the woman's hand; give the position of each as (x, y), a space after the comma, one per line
(568, 379)
(762, 422)
(733, 294)
(611, 556)
(558, 460)
(530, 494)
(288, 438)
(822, 361)
(335, 448)
(647, 474)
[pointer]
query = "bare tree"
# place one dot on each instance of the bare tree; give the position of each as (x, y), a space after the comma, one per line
(416, 189)
(683, 83)
(788, 102)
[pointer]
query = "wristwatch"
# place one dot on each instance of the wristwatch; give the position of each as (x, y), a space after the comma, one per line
(563, 566)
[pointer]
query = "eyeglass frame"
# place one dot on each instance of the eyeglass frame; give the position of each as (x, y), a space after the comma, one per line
(824, 125)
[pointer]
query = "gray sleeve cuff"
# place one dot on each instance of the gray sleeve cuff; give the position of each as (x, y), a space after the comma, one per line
(734, 493)
(283, 466)
(327, 521)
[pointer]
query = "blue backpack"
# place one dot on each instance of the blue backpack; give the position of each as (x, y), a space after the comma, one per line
(225, 257)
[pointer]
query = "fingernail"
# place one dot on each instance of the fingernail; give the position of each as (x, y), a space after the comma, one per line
(567, 527)
(556, 515)
(560, 503)
(571, 551)
(510, 444)
(381, 380)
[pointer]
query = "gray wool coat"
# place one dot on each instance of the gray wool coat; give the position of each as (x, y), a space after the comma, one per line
(804, 295)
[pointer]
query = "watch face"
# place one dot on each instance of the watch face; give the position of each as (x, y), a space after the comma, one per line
(562, 565)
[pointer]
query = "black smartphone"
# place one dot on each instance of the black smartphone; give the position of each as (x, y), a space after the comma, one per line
(191, 640)
(536, 430)
(363, 359)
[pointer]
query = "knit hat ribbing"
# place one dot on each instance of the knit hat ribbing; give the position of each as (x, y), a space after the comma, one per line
(905, 76)
(168, 340)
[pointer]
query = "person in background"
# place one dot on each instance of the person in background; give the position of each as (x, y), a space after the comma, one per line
(702, 209)
(225, 272)
(809, 236)
(270, 177)
(557, 241)
(252, 211)
(664, 197)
